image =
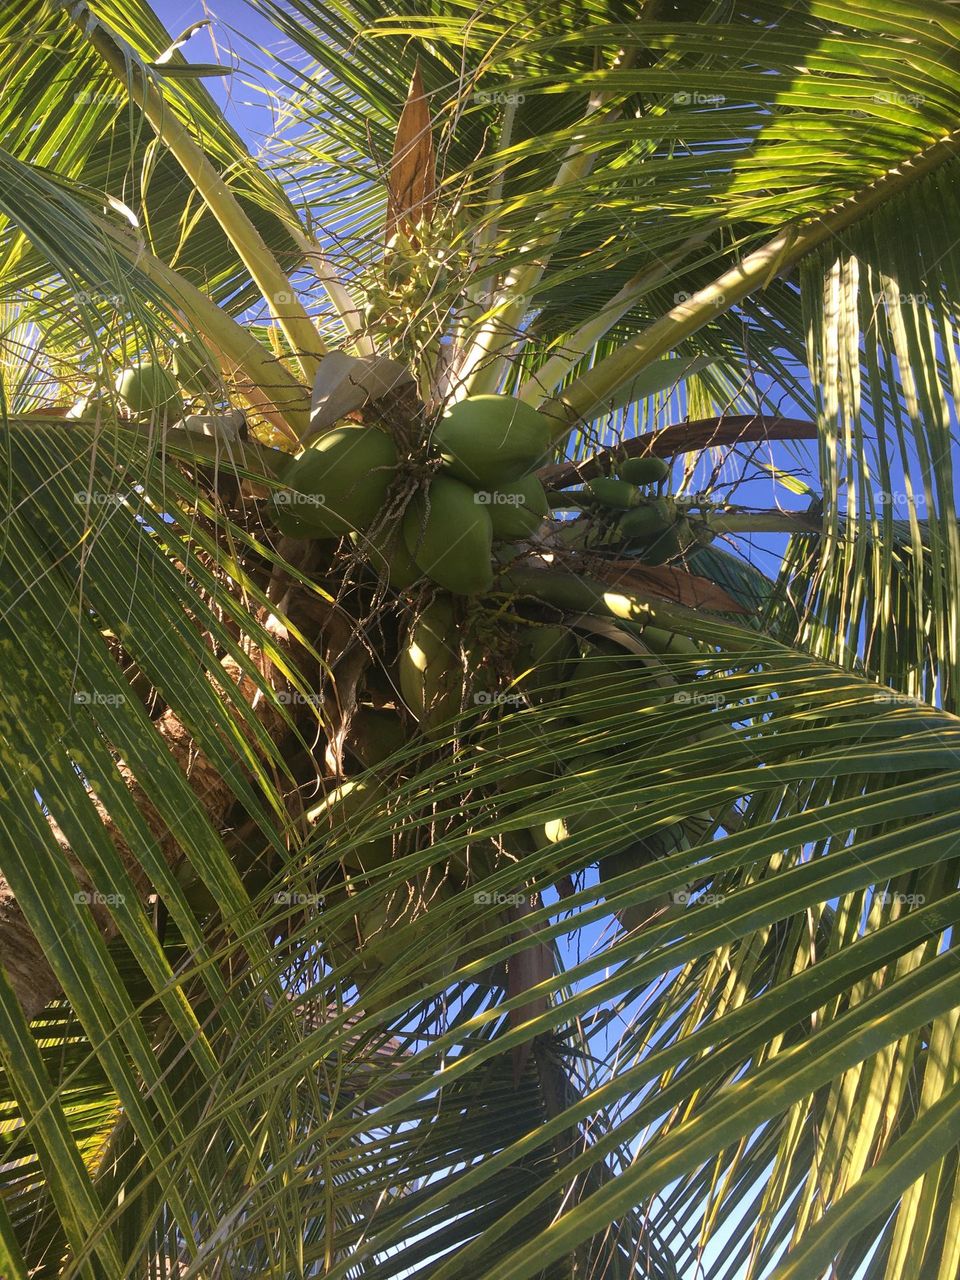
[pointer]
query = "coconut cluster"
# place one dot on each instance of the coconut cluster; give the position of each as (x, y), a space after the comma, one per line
(482, 492)
(619, 511)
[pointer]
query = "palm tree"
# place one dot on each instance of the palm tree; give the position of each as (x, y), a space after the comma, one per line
(575, 901)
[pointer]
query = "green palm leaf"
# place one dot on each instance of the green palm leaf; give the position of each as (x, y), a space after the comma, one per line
(635, 959)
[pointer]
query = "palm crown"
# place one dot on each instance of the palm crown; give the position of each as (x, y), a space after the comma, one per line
(431, 845)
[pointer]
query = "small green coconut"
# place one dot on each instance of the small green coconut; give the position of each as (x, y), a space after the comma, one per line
(148, 389)
(647, 470)
(341, 481)
(611, 492)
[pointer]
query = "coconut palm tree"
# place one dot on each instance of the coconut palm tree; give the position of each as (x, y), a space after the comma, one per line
(455, 822)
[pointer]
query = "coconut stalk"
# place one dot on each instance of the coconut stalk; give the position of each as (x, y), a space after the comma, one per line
(579, 593)
(482, 366)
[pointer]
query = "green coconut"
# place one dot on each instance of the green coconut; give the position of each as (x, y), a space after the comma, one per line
(341, 813)
(147, 388)
(600, 672)
(194, 367)
(450, 536)
(661, 641)
(550, 653)
(648, 470)
(342, 479)
(284, 516)
(430, 667)
(389, 557)
(546, 834)
(611, 492)
(648, 521)
(517, 510)
(642, 850)
(615, 819)
(668, 545)
(395, 930)
(283, 510)
(490, 441)
(374, 735)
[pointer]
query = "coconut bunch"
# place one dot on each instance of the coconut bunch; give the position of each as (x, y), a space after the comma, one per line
(440, 512)
(480, 490)
(435, 509)
(619, 511)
